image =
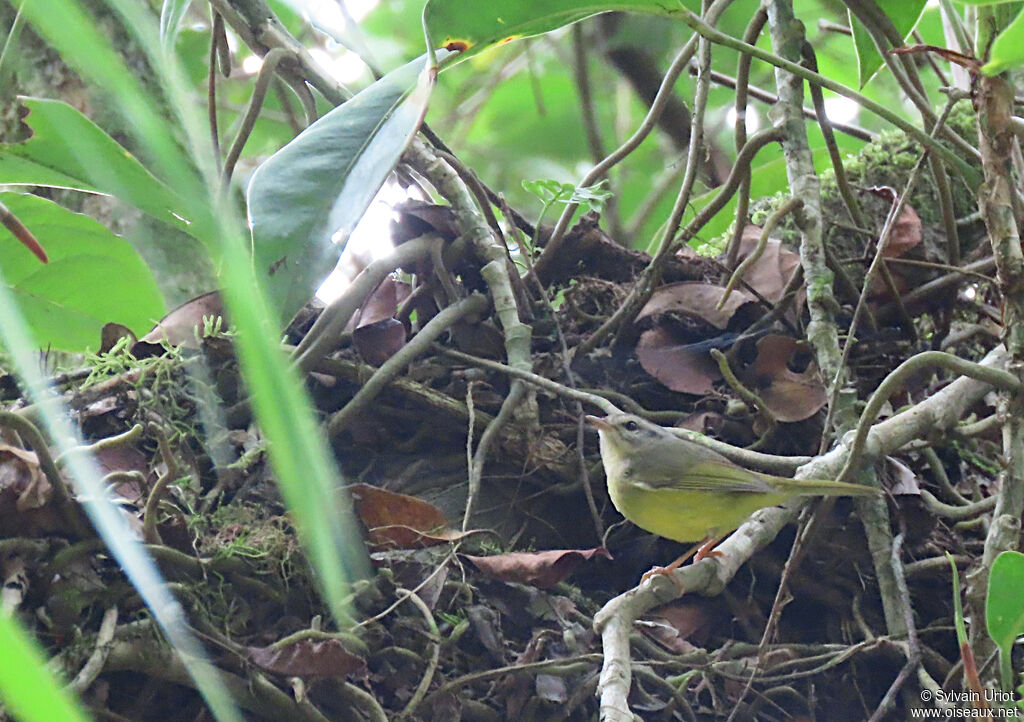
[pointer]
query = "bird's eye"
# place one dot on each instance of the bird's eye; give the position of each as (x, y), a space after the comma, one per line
(631, 426)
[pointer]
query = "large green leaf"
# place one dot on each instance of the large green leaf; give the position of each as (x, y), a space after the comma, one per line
(28, 689)
(316, 188)
(93, 277)
(902, 13)
(1004, 608)
(472, 26)
(67, 150)
(1008, 48)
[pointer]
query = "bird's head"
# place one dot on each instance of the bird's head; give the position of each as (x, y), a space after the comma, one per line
(625, 434)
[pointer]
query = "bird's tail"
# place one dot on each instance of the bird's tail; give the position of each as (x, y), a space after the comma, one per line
(821, 487)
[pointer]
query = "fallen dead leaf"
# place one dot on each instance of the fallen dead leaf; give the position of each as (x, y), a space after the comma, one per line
(674, 625)
(789, 395)
(308, 658)
(395, 520)
(697, 300)
(377, 342)
(26, 507)
(414, 218)
(771, 272)
(540, 569)
(687, 368)
(906, 233)
(178, 328)
(382, 303)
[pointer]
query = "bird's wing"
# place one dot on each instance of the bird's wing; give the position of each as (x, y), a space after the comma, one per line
(710, 476)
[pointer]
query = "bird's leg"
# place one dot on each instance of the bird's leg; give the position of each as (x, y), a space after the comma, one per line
(700, 551)
(674, 565)
(707, 548)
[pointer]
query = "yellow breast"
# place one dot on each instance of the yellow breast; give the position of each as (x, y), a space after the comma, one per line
(685, 515)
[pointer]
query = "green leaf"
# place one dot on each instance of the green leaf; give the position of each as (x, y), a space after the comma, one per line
(472, 26)
(903, 14)
(317, 187)
(67, 150)
(93, 277)
(553, 191)
(27, 688)
(1007, 49)
(548, 190)
(171, 14)
(1004, 607)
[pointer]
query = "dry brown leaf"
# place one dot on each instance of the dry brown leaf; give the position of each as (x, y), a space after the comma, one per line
(772, 270)
(382, 303)
(540, 569)
(789, 395)
(178, 328)
(377, 342)
(308, 658)
(414, 218)
(681, 367)
(112, 333)
(398, 520)
(906, 233)
(674, 625)
(696, 299)
(904, 480)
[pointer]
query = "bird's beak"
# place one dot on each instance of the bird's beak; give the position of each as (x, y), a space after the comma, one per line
(598, 423)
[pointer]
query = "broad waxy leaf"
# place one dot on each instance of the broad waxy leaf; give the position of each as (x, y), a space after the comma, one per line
(1004, 610)
(67, 150)
(93, 276)
(471, 27)
(29, 691)
(1008, 48)
(317, 187)
(903, 14)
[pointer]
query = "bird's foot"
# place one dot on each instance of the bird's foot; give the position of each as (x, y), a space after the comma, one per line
(664, 572)
(707, 549)
(702, 554)
(655, 572)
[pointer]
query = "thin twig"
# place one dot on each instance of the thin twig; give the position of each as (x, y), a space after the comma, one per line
(418, 345)
(998, 378)
(971, 175)
(650, 120)
(435, 654)
(788, 206)
(252, 111)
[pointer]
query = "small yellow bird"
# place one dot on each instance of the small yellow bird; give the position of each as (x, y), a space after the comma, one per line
(686, 492)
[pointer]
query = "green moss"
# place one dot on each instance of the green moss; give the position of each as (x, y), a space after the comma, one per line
(885, 162)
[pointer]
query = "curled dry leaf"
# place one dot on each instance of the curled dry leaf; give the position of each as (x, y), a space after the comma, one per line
(308, 658)
(675, 625)
(904, 480)
(709, 423)
(686, 368)
(909, 505)
(377, 334)
(20, 476)
(25, 495)
(771, 272)
(540, 569)
(379, 341)
(415, 218)
(178, 328)
(112, 333)
(697, 300)
(789, 395)
(906, 234)
(398, 520)
(382, 303)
